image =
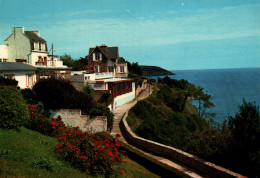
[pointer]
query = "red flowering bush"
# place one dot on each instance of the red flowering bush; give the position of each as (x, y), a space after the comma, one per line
(92, 153)
(47, 126)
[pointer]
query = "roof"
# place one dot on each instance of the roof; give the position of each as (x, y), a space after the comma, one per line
(121, 60)
(16, 66)
(32, 36)
(112, 52)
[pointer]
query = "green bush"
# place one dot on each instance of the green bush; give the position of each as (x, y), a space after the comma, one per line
(8, 82)
(14, 112)
(29, 96)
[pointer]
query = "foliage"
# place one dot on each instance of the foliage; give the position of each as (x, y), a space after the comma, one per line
(186, 90)
(159, 124)
(24, 147)
(85, 151)
(79, 64)
(105, 99)
(154, 71)
(67, 60)
(8, 82)
(91, 153)
(134, 68)
(100, 110)
(60, 94)
(89, 90)
(44, 163)
(245, 128)
(29, 96)
(14, 112)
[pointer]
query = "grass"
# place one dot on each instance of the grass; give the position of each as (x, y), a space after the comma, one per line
(27, 153)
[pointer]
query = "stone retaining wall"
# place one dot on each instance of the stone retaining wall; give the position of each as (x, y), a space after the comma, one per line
(85, 122)
(192, 161)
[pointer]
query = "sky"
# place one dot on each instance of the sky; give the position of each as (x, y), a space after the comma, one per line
(173, 34)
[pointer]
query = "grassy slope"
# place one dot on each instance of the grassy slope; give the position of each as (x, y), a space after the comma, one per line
(19, 149)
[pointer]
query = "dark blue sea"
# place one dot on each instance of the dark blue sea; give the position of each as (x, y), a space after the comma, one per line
(226, 86)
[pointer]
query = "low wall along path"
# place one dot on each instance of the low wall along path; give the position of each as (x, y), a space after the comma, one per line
(185, 163)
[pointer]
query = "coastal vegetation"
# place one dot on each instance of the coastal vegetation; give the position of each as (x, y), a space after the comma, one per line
(169, 117)
(154, 71)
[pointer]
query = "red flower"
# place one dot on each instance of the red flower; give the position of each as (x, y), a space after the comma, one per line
(117, 144)
(82, 157)
(121, 172)
(118, 135)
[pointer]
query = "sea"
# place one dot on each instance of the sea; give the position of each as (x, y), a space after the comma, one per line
(226, 86)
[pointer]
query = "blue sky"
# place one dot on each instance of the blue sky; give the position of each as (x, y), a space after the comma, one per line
(173, 34)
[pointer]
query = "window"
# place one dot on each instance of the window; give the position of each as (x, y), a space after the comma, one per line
(96, 68)
(110, 68)
(122, 69)
(39, 58)
(29, 80)
(43, 47)
(40, 46)
(94, 57)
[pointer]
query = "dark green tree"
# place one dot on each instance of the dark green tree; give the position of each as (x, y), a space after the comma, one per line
(245, 128)
(67, 60)
(60, 94)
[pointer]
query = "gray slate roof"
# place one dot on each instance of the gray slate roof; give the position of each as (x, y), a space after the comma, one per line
(16, 66)
(34, 37)
(112, 52)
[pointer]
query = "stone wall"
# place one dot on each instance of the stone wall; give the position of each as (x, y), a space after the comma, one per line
(87, 123)
(207, 168)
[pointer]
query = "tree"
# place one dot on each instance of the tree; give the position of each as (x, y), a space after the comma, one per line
(245, 128)
(134, 68)
(14, 111)
(60, 94)
(67, 60)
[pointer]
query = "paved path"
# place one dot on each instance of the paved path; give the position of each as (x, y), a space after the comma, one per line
(119, 112)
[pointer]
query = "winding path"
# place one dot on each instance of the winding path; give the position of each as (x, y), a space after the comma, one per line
(119, 113)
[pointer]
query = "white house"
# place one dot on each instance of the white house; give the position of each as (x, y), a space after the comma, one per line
(29, 48)
(25, 74)
(3, 53)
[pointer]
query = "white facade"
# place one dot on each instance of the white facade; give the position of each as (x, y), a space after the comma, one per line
(28, 47)
(26, 79)
(3, 53)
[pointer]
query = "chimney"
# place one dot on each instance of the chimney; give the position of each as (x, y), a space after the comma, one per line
(18, 30)
(103, 46)
(37, 32)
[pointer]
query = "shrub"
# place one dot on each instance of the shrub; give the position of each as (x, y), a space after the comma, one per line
(44, 163)
(60, 94)
(14, 112)
(91, 153)
(29, 96)
(8, 82)
(47, 126)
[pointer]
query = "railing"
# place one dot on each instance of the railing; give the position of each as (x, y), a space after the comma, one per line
(104, 75)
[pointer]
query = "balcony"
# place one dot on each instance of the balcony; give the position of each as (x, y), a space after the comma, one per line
(104, 75)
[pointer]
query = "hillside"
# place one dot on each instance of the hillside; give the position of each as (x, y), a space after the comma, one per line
(27, 153)
(154, 71)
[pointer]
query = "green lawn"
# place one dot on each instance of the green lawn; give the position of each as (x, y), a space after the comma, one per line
(26, 153)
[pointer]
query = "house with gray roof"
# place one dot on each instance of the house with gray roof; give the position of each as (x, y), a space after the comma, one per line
(25, 74)
(30, 48)
(106, 59)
